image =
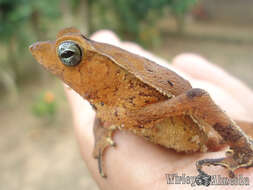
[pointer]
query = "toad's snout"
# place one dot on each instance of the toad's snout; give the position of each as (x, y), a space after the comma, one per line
(44, 53)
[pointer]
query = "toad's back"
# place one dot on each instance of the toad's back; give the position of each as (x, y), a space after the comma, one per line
(108, 84)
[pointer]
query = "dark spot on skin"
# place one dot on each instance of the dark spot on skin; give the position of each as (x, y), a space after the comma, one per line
(143, 85)
(195, 92)
(131, 84)
(79, 69)
(143, 94)
(170, 83)
(131, 100)
(227, 132)
(102, 103)
(150, 70)
(147, 101)
(116, 89)
(116, 113)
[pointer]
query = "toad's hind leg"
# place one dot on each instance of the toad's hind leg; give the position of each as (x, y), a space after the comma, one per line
(197, 104)
(103, 139)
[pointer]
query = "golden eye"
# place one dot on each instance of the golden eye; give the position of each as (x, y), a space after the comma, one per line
(69, 53)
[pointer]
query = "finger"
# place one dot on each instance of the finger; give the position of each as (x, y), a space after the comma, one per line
(83, 117)
(201, 69)
(222, 98)
(106, 36)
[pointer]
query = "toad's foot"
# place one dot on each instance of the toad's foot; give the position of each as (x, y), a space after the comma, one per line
(103, 139)
(234, 159)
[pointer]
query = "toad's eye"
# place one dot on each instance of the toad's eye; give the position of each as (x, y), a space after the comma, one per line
(69, 53)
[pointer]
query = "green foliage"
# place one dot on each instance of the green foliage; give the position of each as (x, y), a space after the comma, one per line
(130, 18)
(22, 21)
(180, 7)
(16, 14)
(45, 106)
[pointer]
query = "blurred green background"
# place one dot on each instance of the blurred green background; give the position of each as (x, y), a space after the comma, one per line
(38, 149)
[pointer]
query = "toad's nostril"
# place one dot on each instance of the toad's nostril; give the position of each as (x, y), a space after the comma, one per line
(32, 47)
(35, 46)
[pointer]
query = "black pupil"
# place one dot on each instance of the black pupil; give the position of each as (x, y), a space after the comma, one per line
(67, 54)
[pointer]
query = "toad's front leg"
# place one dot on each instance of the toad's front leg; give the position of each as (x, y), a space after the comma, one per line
(103, 139)
(198, 104)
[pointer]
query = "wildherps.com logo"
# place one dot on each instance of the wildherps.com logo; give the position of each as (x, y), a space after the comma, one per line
(206, 180)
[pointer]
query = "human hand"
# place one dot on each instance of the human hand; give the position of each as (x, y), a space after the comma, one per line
(137, 164)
